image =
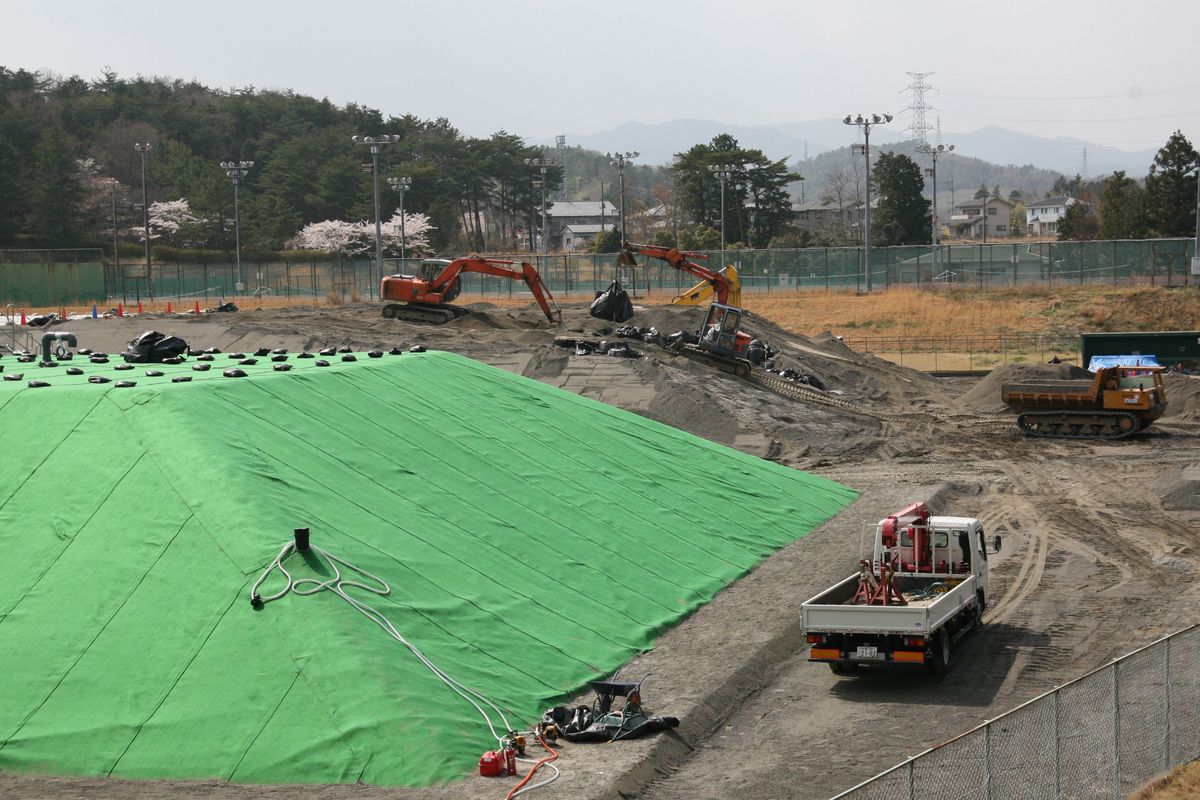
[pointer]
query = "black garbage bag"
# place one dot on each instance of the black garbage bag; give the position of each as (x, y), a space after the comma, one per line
(612, 304)
(153, 347)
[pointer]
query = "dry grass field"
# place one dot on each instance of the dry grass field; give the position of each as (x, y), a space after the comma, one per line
(1182, 783)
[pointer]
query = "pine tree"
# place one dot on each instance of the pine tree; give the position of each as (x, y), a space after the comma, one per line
(1171, 188)
(903, 215)
(57, 194)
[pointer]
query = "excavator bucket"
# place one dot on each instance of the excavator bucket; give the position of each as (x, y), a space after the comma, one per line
(625, 259)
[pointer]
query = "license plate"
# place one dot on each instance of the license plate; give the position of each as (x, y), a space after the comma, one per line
(867, 652)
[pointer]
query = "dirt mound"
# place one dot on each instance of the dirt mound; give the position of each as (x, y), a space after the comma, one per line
(1183, 396)
(1182, 493)
(984, 397)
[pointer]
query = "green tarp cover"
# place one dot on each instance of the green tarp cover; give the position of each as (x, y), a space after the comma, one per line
(533, 540)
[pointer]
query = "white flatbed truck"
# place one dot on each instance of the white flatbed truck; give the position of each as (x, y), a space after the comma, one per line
(925, 588)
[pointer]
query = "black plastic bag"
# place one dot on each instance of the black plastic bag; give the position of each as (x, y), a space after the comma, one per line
(612, 304)
(153, 347)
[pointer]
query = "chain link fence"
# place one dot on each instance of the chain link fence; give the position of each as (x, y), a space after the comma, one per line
(1101, 736)
(955, 353)
(53, 277)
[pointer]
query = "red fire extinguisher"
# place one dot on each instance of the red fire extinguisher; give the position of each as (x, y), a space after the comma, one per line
(510, 759)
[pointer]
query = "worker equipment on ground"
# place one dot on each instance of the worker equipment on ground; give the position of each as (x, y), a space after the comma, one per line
(600, 723)
(153, 347)
(1117, 402)
(427, 297)
(613, 304)
(725, 285)
(65, 340)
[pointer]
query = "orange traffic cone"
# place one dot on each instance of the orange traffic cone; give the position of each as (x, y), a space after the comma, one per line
(62, 313)
(139, 306)
(196, 310)
(120, 309)
(169, 307)
(23, 322)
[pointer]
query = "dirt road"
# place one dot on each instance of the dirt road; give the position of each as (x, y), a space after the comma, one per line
(1093, 564)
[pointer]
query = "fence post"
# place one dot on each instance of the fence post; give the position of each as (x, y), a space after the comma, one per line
(912, 785)
(1057, 749)
(1167, 706)
(1116, 669)
(987, 760)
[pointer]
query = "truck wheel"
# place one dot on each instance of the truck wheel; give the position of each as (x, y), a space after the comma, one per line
(977, 618)
(941, 654)
(838, 668)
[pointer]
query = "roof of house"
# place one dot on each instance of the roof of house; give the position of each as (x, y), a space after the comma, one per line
(579, 228)
(1060, 200)
(582, 208)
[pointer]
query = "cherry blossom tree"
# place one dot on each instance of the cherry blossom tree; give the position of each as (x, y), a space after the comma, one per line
(172, 220)
(358, 238)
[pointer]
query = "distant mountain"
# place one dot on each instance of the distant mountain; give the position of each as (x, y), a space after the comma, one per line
(659, 143)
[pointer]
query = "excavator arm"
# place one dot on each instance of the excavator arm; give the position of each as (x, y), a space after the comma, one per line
(680, 260)
(499, 268)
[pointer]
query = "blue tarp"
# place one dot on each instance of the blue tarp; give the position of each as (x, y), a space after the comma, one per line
(1122, 361)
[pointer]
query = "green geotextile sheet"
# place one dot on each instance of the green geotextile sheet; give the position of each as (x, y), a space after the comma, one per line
(533, 540)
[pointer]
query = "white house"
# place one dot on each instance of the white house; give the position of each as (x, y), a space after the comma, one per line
(578, 213)
(1042, 217)
(577, 237)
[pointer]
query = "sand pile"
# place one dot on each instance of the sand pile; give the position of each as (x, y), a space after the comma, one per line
(984, 396)
(1183, 396)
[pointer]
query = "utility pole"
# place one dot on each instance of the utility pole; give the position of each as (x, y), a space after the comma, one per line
(237, 170)
(144, 148)
(866, 123)
(983, 211)
(1196, 248)
(934, 152)
(401, 185)
(376, 144)
(619, 160)
(722, 172)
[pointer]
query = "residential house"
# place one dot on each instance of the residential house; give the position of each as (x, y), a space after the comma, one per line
(827, 215)
(579, 237)
(579, 215)
(975, 219)
(1042, 217)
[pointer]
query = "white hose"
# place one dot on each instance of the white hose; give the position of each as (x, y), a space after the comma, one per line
(338, 585)
(539, 784)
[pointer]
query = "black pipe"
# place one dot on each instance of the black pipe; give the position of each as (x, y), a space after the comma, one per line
(47, 338)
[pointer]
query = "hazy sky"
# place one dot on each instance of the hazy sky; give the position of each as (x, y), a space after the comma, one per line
(1117, 73)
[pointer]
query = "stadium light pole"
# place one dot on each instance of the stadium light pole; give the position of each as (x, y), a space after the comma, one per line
(237, 170)
(401, 185)
(619, 160)
(112, 184)
(542, 166)
(934, 152)
(866, 123)
(144, 148)
(376, 143)
(722, 171)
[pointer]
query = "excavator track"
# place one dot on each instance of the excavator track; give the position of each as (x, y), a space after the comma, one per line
(1089, 425)
(807, 394)
(432, 314)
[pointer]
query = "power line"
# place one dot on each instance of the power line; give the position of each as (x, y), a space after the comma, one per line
(1125, 96)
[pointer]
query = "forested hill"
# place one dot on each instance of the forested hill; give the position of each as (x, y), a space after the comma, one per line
(63, 140)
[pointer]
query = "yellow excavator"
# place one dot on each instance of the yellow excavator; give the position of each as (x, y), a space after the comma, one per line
(705, 291)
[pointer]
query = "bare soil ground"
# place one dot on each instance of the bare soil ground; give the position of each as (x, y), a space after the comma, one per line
(1100, 551)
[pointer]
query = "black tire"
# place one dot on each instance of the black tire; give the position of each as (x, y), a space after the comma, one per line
(977, 618)
(940, 660)
(838, 668)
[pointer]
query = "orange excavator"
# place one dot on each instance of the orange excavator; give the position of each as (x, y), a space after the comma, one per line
(422, 298)
(724, 285)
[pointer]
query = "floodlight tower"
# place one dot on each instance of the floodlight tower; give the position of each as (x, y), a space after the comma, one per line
(237, 170)
(866, 123)
(376, 143)
(722, 171)
(934, 152)
(619, 160)
(144, 148)
(401, 185)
